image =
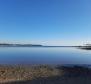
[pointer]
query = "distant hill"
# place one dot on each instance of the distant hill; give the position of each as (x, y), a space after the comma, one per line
(18, 45)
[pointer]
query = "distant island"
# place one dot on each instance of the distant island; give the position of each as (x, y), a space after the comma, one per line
(18, 45)
(86, 47)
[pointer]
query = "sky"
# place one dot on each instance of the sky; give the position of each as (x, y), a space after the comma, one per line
(47, 22)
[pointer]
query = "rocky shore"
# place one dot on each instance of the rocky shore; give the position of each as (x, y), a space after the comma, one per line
(44, 74)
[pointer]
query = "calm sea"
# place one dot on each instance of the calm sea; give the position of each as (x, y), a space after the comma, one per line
(44, 55)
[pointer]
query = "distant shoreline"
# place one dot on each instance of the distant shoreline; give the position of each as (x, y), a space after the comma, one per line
(39, 45)
(19, 45)
(30, 45)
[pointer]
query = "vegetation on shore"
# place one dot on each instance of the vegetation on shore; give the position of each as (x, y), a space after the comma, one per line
(19, 74)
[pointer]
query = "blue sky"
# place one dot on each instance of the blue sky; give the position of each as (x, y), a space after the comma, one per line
(48, 22)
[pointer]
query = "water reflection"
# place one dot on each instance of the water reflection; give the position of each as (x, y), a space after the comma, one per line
(44, 55)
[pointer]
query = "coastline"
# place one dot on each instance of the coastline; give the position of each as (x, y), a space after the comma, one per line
(22, 74)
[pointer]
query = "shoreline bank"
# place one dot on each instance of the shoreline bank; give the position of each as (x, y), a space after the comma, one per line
(17, 73)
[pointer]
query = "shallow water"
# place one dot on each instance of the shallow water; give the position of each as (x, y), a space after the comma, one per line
(44, 55)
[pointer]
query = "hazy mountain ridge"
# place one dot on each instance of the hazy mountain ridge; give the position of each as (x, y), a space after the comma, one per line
(18, 45)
